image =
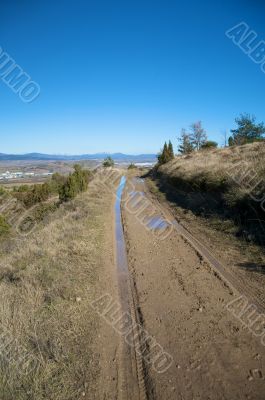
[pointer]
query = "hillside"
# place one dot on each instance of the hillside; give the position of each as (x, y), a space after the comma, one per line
(225, 183)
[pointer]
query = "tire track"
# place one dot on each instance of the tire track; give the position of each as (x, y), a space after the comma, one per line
(231, 280)
(132, 376)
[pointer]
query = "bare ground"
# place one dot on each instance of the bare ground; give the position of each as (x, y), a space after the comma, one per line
(182, 303)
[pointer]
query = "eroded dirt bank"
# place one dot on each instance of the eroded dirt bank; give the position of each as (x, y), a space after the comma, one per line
(182, 304)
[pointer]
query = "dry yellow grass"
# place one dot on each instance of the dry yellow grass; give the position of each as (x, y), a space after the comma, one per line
(218, 162)
(47, 281)
(227, 183)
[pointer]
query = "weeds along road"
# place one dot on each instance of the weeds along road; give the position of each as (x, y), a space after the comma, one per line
(180, 302)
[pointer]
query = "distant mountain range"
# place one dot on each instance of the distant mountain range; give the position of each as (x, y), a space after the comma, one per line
(118, 157)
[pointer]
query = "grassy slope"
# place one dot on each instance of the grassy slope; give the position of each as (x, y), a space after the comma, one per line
(210, 183)
(46, 283)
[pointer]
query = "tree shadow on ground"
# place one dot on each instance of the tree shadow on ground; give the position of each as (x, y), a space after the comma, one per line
(211, 205)
(253, 267)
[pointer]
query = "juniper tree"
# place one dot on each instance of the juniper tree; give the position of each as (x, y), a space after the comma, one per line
(75, 183)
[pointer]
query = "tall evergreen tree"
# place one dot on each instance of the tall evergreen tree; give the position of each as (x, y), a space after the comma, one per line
(166, 154)
(170, 150)
(162, 155)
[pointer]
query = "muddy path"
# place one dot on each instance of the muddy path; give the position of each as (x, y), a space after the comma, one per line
(132, 376)
(180, 301)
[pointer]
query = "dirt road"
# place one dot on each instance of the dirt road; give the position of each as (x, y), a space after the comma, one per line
(113, 300)
(178, 301)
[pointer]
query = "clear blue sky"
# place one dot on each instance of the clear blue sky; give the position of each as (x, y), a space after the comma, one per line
(126, 75)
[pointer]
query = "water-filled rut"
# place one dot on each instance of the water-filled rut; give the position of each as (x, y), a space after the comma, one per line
(131, 373)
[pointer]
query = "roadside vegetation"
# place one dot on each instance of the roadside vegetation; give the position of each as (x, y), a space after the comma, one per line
(76, 182)
(39, 199)
(65, 187)
(47, 281)
(226, 183)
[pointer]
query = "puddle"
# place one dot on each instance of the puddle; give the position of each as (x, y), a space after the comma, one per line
(141, 206)
(128, 374)
(136, 199)
(136, 192)
(121, 255)
(136, 180)
(157, 222)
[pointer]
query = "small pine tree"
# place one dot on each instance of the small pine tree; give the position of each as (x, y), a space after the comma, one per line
(170, 150)
(247, 131)
(162, 155)
(166, 154)
(185, 146)
(231, 141)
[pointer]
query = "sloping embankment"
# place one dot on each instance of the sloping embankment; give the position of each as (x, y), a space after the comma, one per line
(225, 183)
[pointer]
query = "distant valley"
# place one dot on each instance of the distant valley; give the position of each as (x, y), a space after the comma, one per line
(117, 157)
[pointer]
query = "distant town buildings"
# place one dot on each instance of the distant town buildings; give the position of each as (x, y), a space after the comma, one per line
(20, 175)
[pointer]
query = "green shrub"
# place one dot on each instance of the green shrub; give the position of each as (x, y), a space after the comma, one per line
(32, 195)
(66, 187)
(4, 226)
(42, 210)
(209, 144)
(108, 162)
(75, 183)
(21, 188)
(57, 182)
(132, 166)
(2, 191)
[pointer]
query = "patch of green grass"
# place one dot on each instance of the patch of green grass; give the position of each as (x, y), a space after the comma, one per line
(2, 191)
(4, 226)
(43, 210)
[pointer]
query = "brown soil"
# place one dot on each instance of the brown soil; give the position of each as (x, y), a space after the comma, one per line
(182, 302)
